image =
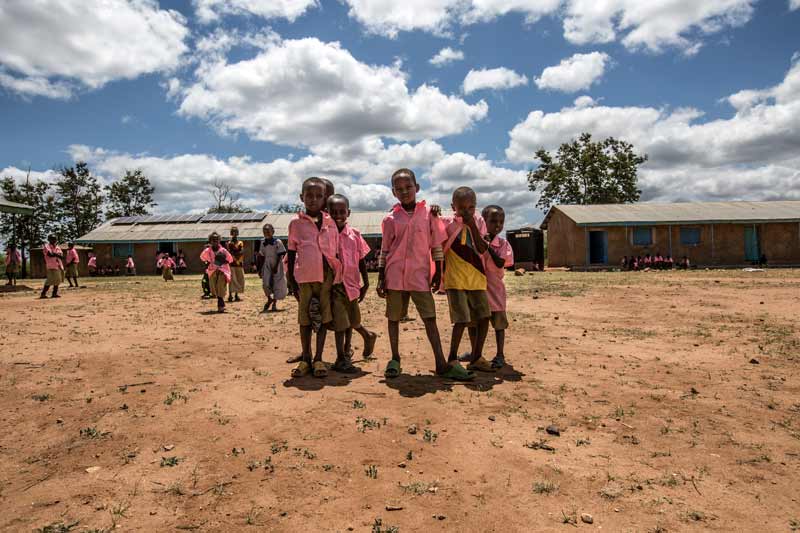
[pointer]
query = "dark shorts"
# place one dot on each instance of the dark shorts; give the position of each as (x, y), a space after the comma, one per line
(467, 306)
(321, 291)
(397, 304)
(346, 312)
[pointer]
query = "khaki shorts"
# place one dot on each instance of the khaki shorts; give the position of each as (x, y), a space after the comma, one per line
(218, 284)
(54, 277)
(322, 291)
(12, 268)
(72, 271)
(499, 320)
(467, 306)
(166, 273)
(397, 304)
(346, 312)
(237, 279)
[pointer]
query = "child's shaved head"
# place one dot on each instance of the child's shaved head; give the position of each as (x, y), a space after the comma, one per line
(334, 198)
(314, 181)
(492, 209)
(330, 189)
(406, 173)
(463, 192)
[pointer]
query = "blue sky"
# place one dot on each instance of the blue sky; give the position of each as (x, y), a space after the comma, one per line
(257, 94)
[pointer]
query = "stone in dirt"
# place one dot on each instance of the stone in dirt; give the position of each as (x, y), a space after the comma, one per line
(393, 507)
(754, 361)
(93, 469)
(553, 430)
(586, 518)
(412, 429)
(519, 272)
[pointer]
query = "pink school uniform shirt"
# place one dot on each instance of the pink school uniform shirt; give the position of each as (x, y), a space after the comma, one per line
(209, 255)
(13, 257)
(352, 249)
(407, 244)
(129, 264)
(53, 263)
(167, 262)
(72, 256)
(93, 261)
(495, 287)
(312, 245)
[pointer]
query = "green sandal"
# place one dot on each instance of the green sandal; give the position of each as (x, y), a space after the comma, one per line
(456, 372)
(393, 369)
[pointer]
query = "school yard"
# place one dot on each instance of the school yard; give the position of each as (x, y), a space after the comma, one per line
(675, 394)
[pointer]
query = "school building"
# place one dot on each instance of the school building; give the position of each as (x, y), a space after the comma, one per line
(708, 233)
(145, 237)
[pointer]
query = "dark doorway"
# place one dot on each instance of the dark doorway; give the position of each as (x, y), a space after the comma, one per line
(598, 247)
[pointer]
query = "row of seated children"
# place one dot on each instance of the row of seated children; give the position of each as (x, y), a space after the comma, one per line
(326, 259)
(654, 262)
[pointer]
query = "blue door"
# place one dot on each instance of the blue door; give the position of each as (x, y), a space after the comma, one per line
(752, 252)
(598, 247)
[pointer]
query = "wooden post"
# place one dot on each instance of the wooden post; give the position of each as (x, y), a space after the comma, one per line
(669, 228)
(588, 247)
(712, 243)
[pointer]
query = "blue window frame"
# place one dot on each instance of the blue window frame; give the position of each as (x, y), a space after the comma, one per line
(642, 236)
(690, 236)
(122, 249)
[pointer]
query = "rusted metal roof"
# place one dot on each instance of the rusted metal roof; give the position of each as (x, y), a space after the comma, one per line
(368, 222)
(652, 213)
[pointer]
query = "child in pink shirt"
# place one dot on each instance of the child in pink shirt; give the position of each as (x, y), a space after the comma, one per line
(130, 266)
(13, 262)
(71, 269)
(348, 294)
(313, 270)
(167, 265)
(219, 260)
(500, 256)
(53, 261)
(92, 264)
(412, 235)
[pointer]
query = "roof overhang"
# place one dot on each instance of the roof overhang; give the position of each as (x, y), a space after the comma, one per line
(14, 208)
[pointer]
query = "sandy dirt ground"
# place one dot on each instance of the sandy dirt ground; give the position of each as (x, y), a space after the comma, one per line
(128, 405)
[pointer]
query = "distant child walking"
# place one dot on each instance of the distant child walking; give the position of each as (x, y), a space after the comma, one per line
(205, 283)
(412, 241)
(270, 268)
(72, 260)
(236, 249)
(353, 288)
(313, 270)
(218, 260)
(130, 266)
(92, 264)
(13, 262)
(167, 265)
(54, 262)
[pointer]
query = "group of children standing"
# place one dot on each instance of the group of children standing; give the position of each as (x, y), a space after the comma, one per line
(326, 272)
(60, 266)
(653, 262)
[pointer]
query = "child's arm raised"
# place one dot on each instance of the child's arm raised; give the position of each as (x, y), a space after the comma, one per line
(480, 245)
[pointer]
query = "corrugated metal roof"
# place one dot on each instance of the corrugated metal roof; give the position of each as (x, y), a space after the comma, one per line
(643, 214)
(7, 206)
(368, 222)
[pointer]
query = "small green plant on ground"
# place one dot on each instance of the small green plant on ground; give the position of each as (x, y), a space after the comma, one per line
(92, 433)
(278, 447)
(252, 515)
(429, 436)
(371, 471)
(170, 461)
(358, 404)
(174, 396)
(378, 527)
(363, 424)
(545, 487)
(58, 527)
(41, 397)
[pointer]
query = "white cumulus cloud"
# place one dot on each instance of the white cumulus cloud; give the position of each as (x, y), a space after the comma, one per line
(752, 153)
(307, 92)
(651, 25)
(495, 78)
(576, 73)
(794, 4)
(445, 56)
(211, 10)
(50, 47)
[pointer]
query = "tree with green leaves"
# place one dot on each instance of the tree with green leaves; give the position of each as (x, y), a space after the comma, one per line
(587, 172)
(28, 231)
(79, 206)
(225, 199)
(131, 195)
